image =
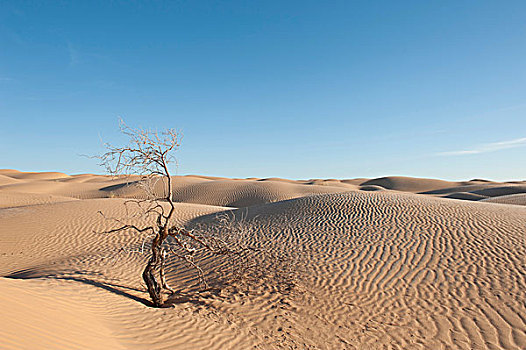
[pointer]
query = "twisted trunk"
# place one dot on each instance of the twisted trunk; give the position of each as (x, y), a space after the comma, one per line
(148, 275)
(158, 258)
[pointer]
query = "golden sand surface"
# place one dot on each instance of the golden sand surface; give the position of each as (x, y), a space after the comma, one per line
(387, 263)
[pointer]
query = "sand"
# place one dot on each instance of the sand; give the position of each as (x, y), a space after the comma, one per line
(388, 263)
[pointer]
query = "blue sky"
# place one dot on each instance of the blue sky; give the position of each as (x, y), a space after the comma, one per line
(295, 89)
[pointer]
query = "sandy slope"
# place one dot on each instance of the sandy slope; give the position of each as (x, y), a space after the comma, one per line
(380, 266)
(403, 271)
(516, 199)
(47, 320)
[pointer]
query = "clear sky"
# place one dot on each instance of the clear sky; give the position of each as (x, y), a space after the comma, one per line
(295, 89)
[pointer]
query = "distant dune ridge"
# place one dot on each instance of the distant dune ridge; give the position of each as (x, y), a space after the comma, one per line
(386, 263)
(245, 192)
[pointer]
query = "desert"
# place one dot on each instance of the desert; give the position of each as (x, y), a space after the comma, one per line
(267, 175)
(386, 263)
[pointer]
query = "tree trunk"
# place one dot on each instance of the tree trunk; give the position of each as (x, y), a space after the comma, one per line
(154, 288)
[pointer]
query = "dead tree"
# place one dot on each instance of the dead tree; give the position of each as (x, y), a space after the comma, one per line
(148, 155)
(146, 159)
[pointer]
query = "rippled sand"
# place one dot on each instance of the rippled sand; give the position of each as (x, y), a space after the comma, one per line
(388, 263)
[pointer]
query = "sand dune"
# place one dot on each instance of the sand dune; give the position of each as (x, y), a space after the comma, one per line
(515, 199)
(379, 265)
(16, 199)
(501, 191)
(468, 196)
(7, 180)
(404, 271)
(54, 322)
(15, 174)
(235, 193)
(220, 191)
(408, 184)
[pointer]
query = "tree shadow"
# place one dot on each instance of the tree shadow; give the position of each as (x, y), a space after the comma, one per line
(113, 288)
(116, 289)
(195, 297)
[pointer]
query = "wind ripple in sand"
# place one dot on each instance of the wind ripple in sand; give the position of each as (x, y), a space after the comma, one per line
(405, 271)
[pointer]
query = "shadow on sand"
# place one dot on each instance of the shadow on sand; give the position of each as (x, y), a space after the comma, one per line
(195, 297)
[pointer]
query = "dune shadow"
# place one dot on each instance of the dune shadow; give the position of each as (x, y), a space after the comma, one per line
(118, 186)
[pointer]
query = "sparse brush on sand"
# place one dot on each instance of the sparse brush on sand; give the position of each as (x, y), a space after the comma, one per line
(390, 263)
